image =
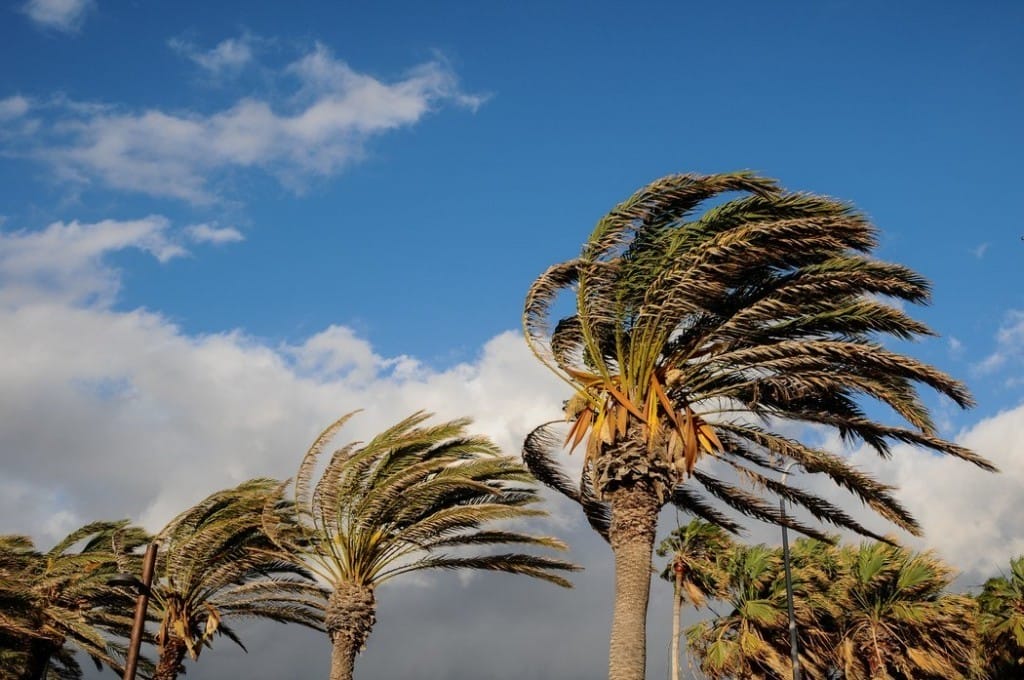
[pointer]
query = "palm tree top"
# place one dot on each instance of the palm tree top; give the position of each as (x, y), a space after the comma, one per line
(416, 496)
(707, 307)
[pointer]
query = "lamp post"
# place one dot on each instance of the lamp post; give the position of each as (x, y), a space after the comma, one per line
(141, 602)
(793, 648)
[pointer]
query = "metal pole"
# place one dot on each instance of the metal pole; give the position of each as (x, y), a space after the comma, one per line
(794, 649)
(141, 602)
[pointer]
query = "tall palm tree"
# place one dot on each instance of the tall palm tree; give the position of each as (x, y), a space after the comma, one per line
(694, 571)
(57, 601)
(1002, 623)
(690, 333)
(398, 504)
(897, 621)
(216, 565)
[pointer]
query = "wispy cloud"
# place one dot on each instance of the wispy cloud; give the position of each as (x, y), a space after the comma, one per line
(13, 107)
(65, 16)
(980, 250)
(209, 233)
(229, 55)
(317, 131)
(1009, 349)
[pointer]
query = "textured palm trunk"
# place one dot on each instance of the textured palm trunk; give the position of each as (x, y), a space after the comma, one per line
(677, 610)
(172, 659)
(350, 615)
(634, 519)
(39, 653)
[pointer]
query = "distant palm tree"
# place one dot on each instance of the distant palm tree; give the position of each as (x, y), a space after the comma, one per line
(397, 504)
(873, 611)
(750, 641)
(215, 564)
(897, 621)
(1002, 623)
(689, 331)
(54, 602)
(694, 570)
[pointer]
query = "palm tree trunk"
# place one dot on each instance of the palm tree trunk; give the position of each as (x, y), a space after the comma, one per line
(350, 615)
(677, 609)
(634, 519)
(38, 659)
(172, 658)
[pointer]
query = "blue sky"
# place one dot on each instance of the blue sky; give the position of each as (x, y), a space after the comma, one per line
(224, 223)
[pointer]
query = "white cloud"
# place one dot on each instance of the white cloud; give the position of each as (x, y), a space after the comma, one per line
(229, 55)
(980, 250)
(13, 107)
(61, 15)
(64, 260)
(107, 413)
(1009, 351)
(208, 233)
(318, 132)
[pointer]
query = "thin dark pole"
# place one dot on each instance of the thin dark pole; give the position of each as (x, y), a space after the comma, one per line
(793, 648)
(141, 602)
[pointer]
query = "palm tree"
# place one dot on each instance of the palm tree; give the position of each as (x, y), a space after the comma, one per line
(55, 601)
(897, 621)
(215, 565)
(750, 641)
(396, 505)
(1002, 623)
(690, 332)
(694, 571)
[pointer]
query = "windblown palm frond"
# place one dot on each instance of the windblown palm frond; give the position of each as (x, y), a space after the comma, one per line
(56, 602)
(216, 564)
(691, 330)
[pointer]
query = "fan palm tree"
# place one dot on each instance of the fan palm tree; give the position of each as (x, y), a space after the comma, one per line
(897, 621)
(689, 332)
(398, 504)
(215, 565)
(57, 601)
(1002, 623)
(750, 641)
(694, 571)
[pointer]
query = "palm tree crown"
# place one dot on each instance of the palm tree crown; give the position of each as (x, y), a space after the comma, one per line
(1002, 623)
(54, 602)
(414, 497)
(216, 564)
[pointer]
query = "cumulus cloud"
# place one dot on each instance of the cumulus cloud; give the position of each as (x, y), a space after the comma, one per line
(209, 233)
(318, 131)
(228, 56)
(66, 16)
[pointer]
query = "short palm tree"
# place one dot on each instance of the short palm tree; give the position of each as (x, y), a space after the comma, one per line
(750, 641)
(216, 565)
(1002, 623)
(397, 504)
(55, 602)
(694, 570)
(689, 332)
(897, 621)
